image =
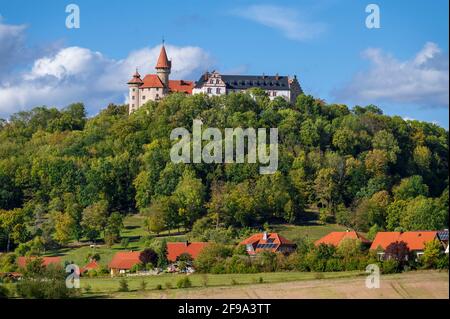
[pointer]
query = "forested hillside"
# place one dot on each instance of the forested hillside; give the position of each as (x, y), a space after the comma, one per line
(64, 176)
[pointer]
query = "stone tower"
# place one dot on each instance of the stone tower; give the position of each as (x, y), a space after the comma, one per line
(133, 86)
(163, 67)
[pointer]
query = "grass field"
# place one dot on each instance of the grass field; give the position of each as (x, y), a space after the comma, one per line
(134, 230)
(341, 285)
(111, 285)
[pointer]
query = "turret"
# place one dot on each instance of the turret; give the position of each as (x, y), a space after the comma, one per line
(163, 67)
(133, 87)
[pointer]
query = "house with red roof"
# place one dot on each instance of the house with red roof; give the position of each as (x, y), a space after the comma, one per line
(92, 265)
(123, 261)
(267, 242)
(154, 87)
(415, 241)
(337, 237)
(22, 261)
(175, 249)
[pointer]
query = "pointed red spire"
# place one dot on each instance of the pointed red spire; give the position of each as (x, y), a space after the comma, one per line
(163, 61)
(136, 78)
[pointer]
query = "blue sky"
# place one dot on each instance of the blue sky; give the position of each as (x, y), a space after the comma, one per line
(401, 67)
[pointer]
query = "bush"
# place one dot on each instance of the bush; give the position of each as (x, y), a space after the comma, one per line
(143, 285)
(87, 289)
(158, 287)
(334, 264)
(123, 285)
(125, 242)
(168, 285)
(442, 262)
(4, 292)
(390, 266)
(184, 282)
(260, 280)
(234, 282)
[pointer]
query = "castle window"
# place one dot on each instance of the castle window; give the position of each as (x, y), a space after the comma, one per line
(218, 91)
(209, 90)
(132, 97)
(274, 93)
(134, 90)
(211, 81)
(143, 97)
(217, 81)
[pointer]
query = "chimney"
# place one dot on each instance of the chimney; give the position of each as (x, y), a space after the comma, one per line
(186, 243)
(265, 235)
(277, 77)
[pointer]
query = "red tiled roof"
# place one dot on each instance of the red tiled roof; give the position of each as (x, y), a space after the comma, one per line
(152, 81)
(414, 239)
(91, 265)
(336, 237)
(176, 249)
(272, 238)
(181, 86)
(22, 261)
(136, 79)
(125, 260)
(163, 61)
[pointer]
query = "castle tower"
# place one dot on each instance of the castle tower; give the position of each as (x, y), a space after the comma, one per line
(163, 67)
(133, 87)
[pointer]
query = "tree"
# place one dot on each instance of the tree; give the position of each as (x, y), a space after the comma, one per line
(94, 219)
(162, 255)
(410, 187)
(384, 140)
(431, 253)
(397, 251)
(148, 256)
(326, 188)
(424, 213)
(114, 226)
(189, 197)
(64, 227)
(12, 224)
(376, 162)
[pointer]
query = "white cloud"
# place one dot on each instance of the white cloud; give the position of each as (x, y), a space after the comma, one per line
(76, 74)
(422, 80)
(290, 22)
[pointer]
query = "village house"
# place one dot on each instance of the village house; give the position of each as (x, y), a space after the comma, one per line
(415, 241)
(22, 261)
(154, 87)
(123, 261)
(267, 242)
(175, 249)
(91, 265)
(335, 238)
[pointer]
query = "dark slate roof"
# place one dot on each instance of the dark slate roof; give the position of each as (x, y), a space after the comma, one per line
(243, 82)
(443, 235)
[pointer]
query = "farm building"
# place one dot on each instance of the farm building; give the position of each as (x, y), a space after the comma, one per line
(22, 261)
(415, 241)
(336, 237)
(123, 261)
(267, 242)
(175, 249)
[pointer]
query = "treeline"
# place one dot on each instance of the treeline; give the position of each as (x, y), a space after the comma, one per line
(64, 176)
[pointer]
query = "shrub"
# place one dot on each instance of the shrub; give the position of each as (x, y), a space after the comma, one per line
(123, 285)
(431, 253)
(260, 280)
(334, 264)
(442, 262)
(184, 282)
(233, 282)
(87, 288)
(143, 285)
(319, 276)
(4, 292)
(390, 266)
(168, 285)
(158, 287)
(125, 242)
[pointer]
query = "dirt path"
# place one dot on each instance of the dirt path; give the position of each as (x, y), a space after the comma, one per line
(426, 284)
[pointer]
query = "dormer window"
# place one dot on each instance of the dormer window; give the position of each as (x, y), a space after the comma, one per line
(217, 81)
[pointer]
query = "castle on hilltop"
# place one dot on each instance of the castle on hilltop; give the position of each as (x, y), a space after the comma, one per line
(154, 87)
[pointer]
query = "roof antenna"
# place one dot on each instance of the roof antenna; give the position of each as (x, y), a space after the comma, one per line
(163, 40)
